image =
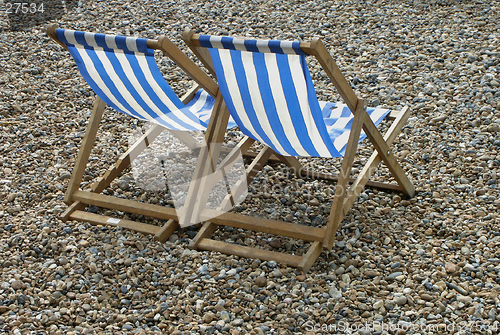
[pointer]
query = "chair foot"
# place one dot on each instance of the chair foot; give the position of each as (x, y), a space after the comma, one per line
(77, 205)
(166, 231)
(310, 257)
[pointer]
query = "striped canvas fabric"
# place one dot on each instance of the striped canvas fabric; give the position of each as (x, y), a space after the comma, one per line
(122, 71)
(338, 118)
(270, 94)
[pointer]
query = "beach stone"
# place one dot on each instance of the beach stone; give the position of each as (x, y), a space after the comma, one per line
(450, 267)
(208, 317)
(225, 316)
(464, 299)
(260, 281)
(16, 284)
(401, 300)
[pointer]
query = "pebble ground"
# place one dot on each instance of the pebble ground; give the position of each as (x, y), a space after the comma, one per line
(431, 261)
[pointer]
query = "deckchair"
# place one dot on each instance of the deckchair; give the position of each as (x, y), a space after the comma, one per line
(123, 73)
(269, 92)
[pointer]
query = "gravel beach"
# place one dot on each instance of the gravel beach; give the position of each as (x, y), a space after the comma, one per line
(417, 266)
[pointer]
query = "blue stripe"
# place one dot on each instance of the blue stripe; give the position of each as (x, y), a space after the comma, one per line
(169, 92)
(275, 47)
(214, 53)
(296, 47)
(61, 37)
(80, 37)
(205, 109)
(327, 109)
(346, 112)
(121, 43)
(142, 45)
(316, 110)
(269, 103)
(227, 43)
(293, 105)
(251, 45)
(245, 96)
(205, 41)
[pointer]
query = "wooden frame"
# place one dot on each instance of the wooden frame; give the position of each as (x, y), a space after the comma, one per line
(322, 238)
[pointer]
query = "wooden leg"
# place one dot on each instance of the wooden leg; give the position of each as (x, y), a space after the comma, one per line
(206, 161)
(388, 157)
(336, 214)
(206, 231)
(97, 219)
(164, 232)
(310, 257)
(293, 163)
(250, 174)
(185, 138)
(248, 252)
(335, 177)
(84, 153)
(375, 159)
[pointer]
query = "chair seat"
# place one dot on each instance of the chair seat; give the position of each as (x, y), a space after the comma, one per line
(338, 119)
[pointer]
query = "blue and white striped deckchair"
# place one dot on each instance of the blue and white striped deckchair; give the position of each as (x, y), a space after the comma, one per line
(269, 92)
(123, 73)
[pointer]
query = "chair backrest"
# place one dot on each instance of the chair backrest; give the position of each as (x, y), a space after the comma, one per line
(269, 92)
(122, 71)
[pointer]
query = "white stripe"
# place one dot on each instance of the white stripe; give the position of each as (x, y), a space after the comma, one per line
(90, 39)
(342, 140)
(110, 41)
(286, 46)
(299, 82)
(122, 58)
(216, 42)
(281, 105)
(163, 96)
(263, 46)
(70, 37)
(234, 92)
(239, 44)
(341, 122)
(198, 105)
(377, 113)
(322, 104)
(131, 43)
(253, 87)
